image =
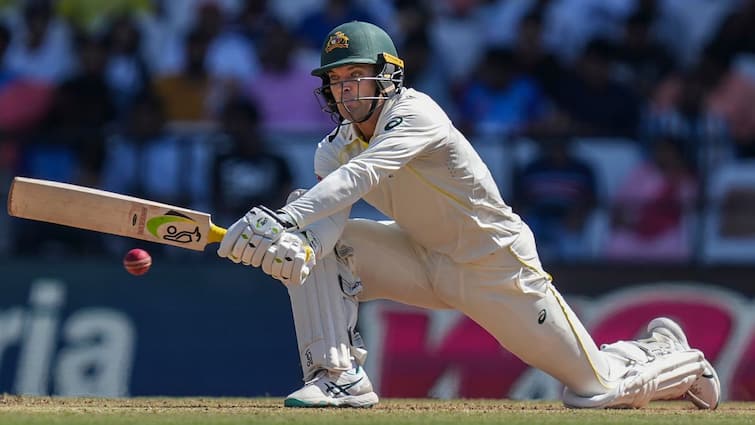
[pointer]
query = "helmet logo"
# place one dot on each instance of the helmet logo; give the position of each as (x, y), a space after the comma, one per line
(337, 40)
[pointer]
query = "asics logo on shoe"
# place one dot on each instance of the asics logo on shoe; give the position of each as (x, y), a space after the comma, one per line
(336, 389)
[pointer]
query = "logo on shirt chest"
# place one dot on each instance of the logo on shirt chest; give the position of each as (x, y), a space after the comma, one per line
(393, 123)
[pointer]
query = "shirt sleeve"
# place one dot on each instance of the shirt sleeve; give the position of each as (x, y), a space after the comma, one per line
(402, 138)
(326, 231)
(326, 159)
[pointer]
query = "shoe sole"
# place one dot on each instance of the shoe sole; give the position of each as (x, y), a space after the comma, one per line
(360, 401)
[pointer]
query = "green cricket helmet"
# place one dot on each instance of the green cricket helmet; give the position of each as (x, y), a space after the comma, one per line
(360, 43)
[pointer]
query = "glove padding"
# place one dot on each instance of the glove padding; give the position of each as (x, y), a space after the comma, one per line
(289, 259)
(249, 238)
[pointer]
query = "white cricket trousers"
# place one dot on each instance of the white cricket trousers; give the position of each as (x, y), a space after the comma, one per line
(507, 293)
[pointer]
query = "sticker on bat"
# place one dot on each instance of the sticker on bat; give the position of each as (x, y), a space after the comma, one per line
(175, 227)
(138, 215)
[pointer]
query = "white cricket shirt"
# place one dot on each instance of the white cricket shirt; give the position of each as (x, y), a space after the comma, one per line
(419, 170)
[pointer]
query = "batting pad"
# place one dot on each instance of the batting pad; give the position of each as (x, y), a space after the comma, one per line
(323, 317)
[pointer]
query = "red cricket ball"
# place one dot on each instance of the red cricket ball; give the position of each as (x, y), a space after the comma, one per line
(137, 261)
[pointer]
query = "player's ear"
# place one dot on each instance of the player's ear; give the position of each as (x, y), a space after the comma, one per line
(325, 96)
(326, 99)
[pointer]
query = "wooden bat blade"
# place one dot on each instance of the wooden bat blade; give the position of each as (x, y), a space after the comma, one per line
(107, 212)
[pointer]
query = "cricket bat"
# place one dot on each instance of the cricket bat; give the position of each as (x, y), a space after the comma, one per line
(108, 212)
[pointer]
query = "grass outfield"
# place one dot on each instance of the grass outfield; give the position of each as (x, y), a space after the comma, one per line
(187, 411)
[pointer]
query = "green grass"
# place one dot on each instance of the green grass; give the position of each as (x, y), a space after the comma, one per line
(209, 411)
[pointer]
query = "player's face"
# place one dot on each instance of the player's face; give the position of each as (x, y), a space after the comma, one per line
(350, 87)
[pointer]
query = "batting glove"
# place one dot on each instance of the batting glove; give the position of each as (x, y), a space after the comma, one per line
(247, 240)
(289, 259)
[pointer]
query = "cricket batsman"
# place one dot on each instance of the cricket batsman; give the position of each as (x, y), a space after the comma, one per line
(453, 243)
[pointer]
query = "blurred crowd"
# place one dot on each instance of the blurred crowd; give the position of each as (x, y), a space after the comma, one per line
(179, 100)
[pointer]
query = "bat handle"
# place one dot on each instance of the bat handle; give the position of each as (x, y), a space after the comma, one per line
(216, 233)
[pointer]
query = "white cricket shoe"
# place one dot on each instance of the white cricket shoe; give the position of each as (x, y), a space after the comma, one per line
(351, 388)
(705, 392)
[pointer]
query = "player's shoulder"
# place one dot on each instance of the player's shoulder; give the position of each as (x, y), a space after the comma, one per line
(413, 99)
(412, 109)
(411, 102)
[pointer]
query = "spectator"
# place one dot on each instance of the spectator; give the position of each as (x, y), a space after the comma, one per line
(186, 94)
(86, 94)
(144, 160)
(502, 20)
(412, 18)
(41, 50)
(6, 75)
(531, 56)
(680, 109)
(456, 31)
(643, 60)
(500, 100)
(424, 72)
(68, 145)
(92, 17)
(17, 111)
(687, 26)
(593, 101)
(284, 90)
(534, 60)
(179, 17)
(23, 102)
(731, 100)
(253, 20)
(556, 193)
(650, 210)
(245, 172)
(231, 56)
(572, 25)
(734, 35)
(126, 70)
